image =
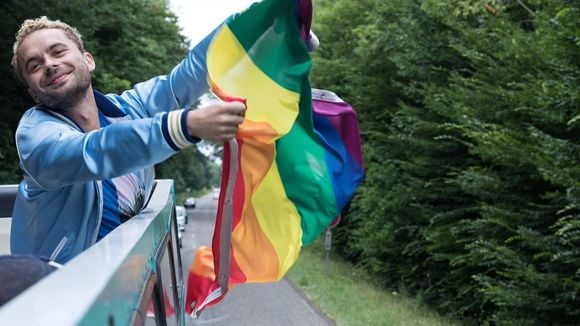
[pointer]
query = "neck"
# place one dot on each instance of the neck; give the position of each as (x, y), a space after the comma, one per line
(85, 113)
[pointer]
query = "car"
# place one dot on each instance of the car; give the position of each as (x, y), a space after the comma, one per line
(180, 215)
(179, 237)
(216, 193)
(189, 202)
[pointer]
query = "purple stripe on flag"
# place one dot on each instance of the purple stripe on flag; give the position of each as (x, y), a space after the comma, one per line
(343, 118)
(304, 16)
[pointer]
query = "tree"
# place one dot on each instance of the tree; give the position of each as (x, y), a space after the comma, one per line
(469, 114)
(189, 169)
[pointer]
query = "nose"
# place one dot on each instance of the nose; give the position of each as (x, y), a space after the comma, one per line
(50, 65)
(50, 70)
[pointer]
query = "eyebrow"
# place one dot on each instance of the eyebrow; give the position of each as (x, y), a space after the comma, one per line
(35, 57)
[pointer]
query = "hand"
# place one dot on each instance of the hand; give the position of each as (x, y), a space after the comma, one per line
(216, 122)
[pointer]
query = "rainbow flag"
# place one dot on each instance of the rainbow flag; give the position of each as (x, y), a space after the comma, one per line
(290, 170)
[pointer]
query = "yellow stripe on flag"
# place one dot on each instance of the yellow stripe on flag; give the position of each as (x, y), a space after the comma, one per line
(278, 218)
(231, 68)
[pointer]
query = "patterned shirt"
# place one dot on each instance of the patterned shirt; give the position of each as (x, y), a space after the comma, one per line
(123, 197)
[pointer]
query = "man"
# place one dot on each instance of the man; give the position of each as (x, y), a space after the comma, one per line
(87, 158)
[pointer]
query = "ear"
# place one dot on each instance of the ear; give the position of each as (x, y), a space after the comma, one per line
(89, 60)
(31, 92)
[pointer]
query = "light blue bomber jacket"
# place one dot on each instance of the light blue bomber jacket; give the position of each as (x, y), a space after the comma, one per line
(61, 191)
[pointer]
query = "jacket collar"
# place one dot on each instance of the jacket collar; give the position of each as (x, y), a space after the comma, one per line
(103, 104)
(107, 107)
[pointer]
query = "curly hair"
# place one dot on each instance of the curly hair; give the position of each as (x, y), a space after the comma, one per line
(31, 25)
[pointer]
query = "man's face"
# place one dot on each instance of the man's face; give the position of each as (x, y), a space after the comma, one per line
(56, 71)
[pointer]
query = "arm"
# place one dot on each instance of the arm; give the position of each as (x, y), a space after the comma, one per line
(181, 88)
(55, 154)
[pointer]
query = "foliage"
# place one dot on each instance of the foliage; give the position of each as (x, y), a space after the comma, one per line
(189, 169)
(131, 40)
(325, 280)
(469, 112)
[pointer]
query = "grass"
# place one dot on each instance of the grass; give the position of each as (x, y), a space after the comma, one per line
(348, 296)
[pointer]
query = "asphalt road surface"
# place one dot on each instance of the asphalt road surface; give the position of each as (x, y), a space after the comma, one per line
(277, 303)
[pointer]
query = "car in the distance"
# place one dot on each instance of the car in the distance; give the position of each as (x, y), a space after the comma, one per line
(215, 193)
(189, 202)
(180, 215)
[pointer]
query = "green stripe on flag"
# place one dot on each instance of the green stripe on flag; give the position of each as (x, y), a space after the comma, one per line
(271, 26)
(301, 157)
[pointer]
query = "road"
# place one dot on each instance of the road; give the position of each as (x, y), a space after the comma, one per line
(267, 304)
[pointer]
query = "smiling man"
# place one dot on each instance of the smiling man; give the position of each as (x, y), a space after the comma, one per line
(66, 79)
(87, 158)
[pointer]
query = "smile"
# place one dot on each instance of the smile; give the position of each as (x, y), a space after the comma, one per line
(58, 80)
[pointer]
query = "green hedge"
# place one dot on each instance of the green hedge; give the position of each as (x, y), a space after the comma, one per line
(470, 119)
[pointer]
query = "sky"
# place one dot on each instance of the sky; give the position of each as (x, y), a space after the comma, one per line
(197, 18)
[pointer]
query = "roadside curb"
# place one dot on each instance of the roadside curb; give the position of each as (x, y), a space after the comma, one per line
(312, 304)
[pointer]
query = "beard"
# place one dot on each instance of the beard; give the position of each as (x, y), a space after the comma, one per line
(68, 97)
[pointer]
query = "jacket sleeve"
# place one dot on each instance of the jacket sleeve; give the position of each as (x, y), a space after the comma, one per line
(56, 154)
(179, 89)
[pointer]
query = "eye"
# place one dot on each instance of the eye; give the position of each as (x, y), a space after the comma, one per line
(58, 52)
(33, 67)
